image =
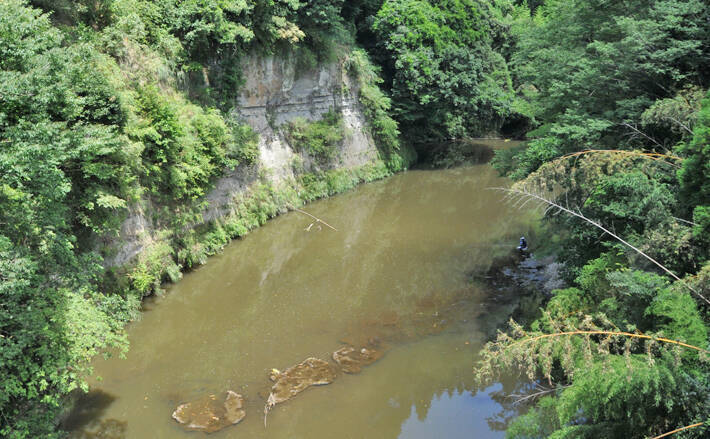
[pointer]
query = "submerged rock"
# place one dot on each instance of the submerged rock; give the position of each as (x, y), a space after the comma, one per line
(296, 379)
(211, 413)
(352, 360)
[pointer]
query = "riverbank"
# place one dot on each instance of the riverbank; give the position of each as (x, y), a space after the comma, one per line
(158, 242)
(316, 132)
(160, 261)
(395, 271)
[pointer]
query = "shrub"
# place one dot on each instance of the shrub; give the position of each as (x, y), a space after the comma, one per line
(319, 139)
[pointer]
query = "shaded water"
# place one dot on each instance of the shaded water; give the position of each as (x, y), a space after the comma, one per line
(394, 272)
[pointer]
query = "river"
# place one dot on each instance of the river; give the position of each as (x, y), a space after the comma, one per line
(397, 270)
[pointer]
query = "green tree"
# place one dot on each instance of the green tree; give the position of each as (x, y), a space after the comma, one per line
(206, 27)
(62, 177)
(446, 78)
(323, 25)
(597, 347)
(595, 67)
(694, 175)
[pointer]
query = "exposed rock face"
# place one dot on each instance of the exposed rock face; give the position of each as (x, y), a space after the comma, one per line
(296, 379)
(211, 413)
(274, 93)
(352, 360)
(135, 235)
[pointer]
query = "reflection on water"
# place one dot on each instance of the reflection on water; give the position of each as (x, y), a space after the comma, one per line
(393, 275)
(463, 152)
(89, 421)
(459, 414)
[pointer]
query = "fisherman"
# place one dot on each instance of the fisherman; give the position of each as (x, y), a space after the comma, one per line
(523, 244)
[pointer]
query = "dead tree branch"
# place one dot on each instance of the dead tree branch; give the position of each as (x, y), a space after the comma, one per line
(685, 221)
(318, 220)
(541, 391)
(682, 125)
(641, 133)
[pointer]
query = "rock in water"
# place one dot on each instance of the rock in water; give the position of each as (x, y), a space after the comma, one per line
(352, 360)
(294, 380)
(211, 413)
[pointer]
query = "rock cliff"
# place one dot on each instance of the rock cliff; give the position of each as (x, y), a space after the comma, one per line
(274, 93)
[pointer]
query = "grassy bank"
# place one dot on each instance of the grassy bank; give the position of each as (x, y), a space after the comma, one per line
(175, 252)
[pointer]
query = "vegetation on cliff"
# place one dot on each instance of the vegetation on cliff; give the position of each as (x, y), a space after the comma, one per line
(108, 107)
(319, 138)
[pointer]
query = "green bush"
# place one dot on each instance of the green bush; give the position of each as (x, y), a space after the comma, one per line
(377, 108)
(186, 147)
(446, 78)
(319, 139)
(246, 143)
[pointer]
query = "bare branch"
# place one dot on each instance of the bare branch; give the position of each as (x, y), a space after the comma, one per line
(641, 133)
(318, 220)
(682, 125)
(685, 221)
(524, 398)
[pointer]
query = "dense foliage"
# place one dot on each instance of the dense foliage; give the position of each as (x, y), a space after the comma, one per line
(93, 122)
(377, 107)
(618, 91)
(63, 173)
(604, 74)
(110, 107)
(447, 78)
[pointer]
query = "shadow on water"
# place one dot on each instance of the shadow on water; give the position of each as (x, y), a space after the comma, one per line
(462, 152)
(106, 429)
(86, 418)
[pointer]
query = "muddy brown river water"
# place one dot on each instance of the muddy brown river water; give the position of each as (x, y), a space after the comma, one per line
(394, 274)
